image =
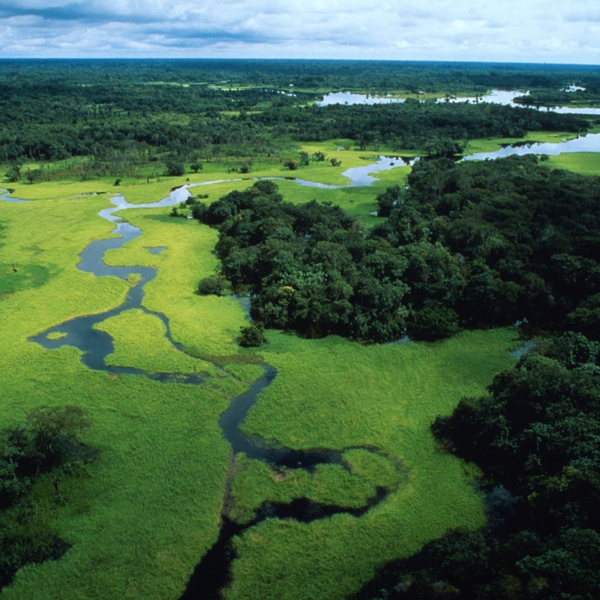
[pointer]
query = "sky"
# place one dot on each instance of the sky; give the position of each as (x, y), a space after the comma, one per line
(539, 31)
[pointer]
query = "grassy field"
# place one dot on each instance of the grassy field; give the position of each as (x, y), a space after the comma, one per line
(130, 535)
(585, 163)
(149, 508)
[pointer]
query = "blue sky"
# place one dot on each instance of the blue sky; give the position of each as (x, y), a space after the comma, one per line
(500, 30)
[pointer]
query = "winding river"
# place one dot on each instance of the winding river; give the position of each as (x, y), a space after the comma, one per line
(212, 572)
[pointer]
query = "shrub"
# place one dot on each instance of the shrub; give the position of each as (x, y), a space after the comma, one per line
(211, 286)
(432, 323)
(252, 336)
(174, 168)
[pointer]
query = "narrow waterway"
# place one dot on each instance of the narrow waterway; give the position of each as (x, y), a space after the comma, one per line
(212, 572)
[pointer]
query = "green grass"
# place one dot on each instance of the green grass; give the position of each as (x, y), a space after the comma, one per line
(140, 342)
(255, 482)
(335, 394)
(149, 508)
(585, 163)
(133, 531)
(246, 372)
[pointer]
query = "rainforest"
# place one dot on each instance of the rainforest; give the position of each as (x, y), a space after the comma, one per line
(256, 344)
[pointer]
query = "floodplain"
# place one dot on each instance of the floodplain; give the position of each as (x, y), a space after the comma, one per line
(140, 518)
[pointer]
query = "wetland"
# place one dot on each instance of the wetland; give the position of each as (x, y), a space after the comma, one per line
(301, 467)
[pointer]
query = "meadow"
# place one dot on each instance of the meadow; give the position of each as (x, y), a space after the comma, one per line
(141, 517)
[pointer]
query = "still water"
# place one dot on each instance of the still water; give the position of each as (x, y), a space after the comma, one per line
(504, 97)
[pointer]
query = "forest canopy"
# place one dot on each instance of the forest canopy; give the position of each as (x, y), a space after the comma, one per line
(124, 113)
(468, 244)
(535, 438)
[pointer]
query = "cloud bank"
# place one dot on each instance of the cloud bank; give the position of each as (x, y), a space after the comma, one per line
(557, 31)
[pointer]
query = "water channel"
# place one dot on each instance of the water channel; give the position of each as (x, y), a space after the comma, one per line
(504, 97)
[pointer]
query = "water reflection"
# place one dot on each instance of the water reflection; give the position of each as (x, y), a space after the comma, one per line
(587, 143)
(503, 97)
(351, 98)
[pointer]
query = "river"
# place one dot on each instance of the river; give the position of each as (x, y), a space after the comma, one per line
(212, 572)
(504, 97)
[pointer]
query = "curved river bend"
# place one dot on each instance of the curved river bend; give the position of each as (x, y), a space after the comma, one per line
(212, 573)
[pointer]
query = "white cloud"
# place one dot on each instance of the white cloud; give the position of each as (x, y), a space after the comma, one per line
(498, 30)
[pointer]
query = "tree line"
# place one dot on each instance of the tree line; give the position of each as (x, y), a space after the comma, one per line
(467, 245)
(535, 439)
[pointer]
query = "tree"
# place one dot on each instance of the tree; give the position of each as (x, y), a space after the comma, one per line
(211, 286)
(252, 336)
(196, 166)
(46, 446)
(291, 164)
(174, 168)
(335, 162)
(14, 173)
(432, 323)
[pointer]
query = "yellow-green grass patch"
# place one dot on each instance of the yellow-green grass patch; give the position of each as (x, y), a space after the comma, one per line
(140, 342)
(56, 335)
(145, 512)
(246, 372)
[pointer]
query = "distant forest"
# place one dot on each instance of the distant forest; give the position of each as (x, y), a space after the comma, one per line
(127, 113)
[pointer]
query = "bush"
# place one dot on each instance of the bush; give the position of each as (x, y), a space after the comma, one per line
(13, 174)
(211, 286)
(430, 324)
(252, 336)
(174, 168)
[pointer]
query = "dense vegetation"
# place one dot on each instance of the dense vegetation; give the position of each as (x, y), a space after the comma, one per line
(123, 114)
(535, 438)
(590, 96)
(464, 245)
(470, 244)
(413, 125)
(47, 447)
(310, 267)
(500, 241)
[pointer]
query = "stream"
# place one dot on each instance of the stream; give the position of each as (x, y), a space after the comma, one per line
(212, 572)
